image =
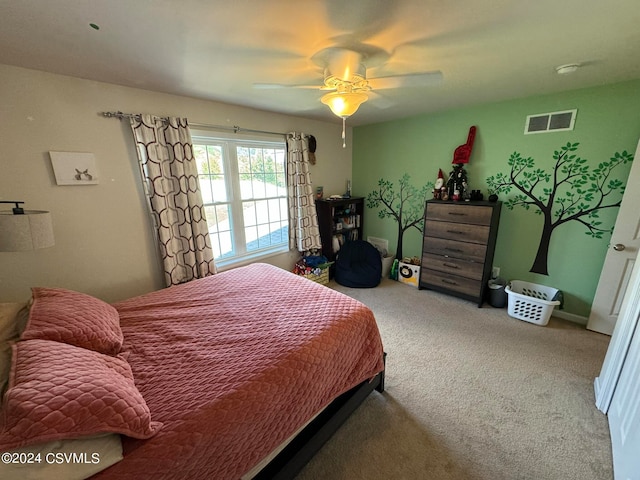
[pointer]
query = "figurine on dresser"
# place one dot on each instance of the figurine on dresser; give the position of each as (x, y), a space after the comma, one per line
(457, 184)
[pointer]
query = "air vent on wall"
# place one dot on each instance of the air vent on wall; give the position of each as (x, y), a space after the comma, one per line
(550, 122)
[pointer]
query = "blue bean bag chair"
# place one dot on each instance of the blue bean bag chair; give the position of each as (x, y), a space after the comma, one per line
(358, 265)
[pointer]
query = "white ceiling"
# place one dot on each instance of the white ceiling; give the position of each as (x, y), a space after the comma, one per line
(487, 50)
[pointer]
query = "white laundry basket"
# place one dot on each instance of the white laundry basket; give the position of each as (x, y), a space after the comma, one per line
(531, 302)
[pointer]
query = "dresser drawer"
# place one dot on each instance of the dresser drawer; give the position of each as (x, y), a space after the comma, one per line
(449, 212)
(453, 266)
(457, 231)
(462, 250)
(439, 280)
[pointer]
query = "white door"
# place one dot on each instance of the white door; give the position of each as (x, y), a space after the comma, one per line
(626, 326)
(624, 415)
(618, 263)
(618, 386)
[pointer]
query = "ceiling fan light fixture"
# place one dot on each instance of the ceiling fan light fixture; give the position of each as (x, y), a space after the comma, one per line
(344, 104)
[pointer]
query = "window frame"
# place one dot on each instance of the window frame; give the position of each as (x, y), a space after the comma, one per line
(229, 144)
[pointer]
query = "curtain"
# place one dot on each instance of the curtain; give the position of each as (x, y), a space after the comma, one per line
(170, 178)
(303, 220)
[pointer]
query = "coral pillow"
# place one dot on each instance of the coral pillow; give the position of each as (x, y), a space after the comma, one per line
(58, 391)
(74, 318)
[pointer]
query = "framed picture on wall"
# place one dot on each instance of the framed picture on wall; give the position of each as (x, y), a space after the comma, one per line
(74, 168)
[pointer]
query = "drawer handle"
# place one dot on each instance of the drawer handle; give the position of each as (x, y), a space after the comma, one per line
(455, 231)
(450, 265)
(450, 282)
(458, 214)
(454, 249)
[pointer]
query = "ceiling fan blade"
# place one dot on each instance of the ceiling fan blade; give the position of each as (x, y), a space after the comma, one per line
(380, 101)
(271, 86)
(425, 79)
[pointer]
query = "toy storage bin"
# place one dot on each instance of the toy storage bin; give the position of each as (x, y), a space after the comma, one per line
(531, 302)
(311, 269)
(322, 278)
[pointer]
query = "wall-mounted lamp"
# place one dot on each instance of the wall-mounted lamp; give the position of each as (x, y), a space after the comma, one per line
(22, 230)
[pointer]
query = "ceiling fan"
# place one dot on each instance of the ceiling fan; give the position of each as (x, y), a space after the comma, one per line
(345, 78)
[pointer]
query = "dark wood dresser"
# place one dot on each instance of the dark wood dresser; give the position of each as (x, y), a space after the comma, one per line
(458, 245)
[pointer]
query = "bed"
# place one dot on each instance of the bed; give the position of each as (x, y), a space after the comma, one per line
(243, 374)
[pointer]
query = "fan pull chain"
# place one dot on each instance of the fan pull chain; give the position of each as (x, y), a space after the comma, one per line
(344, 143)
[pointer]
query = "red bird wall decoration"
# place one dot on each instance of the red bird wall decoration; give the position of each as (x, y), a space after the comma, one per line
(463, 152)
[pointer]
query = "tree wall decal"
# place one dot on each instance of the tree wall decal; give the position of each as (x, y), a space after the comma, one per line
(571, 192)
(406, 206)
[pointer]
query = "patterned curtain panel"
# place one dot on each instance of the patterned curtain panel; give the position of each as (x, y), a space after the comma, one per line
(171, 183)
(303, 220)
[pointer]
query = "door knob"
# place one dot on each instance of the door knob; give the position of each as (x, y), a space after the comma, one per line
(618, 247)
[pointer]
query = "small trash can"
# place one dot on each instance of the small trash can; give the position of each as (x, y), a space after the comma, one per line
(497, 295)
(387, 262)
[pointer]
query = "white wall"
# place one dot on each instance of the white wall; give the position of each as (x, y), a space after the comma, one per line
(104, 244)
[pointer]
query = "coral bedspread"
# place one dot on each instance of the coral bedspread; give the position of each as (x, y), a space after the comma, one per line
(234, 363)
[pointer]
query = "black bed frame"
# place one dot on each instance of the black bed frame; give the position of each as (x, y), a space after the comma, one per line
(288, 463)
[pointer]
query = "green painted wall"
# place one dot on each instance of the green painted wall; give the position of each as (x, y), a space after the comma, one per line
(608, 121)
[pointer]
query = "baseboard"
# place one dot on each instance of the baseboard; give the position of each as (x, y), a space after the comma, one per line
(597, 389)
(571, 317)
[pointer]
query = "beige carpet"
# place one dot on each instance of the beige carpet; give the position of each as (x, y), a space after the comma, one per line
(472, 394)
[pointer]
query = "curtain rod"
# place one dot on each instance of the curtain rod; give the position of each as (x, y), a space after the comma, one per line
(234, 129)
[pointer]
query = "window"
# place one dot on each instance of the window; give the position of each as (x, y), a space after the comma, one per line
(244, 190)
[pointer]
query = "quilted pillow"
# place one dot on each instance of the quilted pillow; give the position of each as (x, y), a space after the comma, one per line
(74, 318)
(58, 391)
